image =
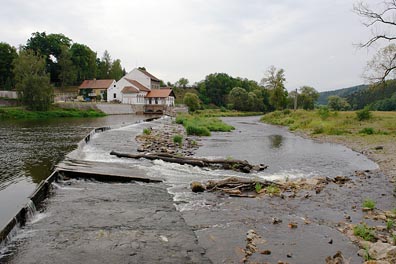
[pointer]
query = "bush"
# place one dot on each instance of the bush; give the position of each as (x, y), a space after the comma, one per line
(318, 130)
(364, 232)
(147, 131)
(178, 139)
(363, 114)
(324, 113)
(197, 130)
(368, 203)
(367, 131)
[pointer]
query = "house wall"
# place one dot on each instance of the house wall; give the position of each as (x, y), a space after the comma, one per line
(117, 90)
(134, 98)
(137, 75)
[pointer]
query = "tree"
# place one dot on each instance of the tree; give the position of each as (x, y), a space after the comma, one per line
(7, 55)
(116, 71)
(104, 66)
(182, 82)
(32, 81)
(337, 103)
(274, 81)
(383, 23)
(307, 97)
(49, 46)
(192, 101)
(84, 61)
(215, 88)
(238, 99)
(67, 71)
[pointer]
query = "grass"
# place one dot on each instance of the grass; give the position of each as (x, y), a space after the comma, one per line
(272, 190)
(323, 121)
(202, 125)
(368, 203)
(178, 139)
(54, 112)
(224, 113)
(147, 131)
(389, 224)
(258, 187)
(365, 232)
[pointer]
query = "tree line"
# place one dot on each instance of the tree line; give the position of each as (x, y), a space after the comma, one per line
(223, 90)
(66, 62)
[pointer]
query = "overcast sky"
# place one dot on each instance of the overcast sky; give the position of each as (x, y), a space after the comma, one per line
(312, 40)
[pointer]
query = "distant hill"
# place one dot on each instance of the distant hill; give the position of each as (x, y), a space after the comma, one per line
(345, 92)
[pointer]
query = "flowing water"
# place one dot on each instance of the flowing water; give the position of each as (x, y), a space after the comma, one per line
(29, 151)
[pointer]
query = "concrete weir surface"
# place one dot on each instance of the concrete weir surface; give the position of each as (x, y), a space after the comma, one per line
(92, 222)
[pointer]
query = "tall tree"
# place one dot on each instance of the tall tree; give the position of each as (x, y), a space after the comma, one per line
(192, 101)
(274, 81)
(67, 71)
(239, 99)
(104, 66)
(84, 60)
(182, 82)
(383, 22)
(215, 88)
(116, 71)
(307, 97)
(7, 55)
(49, 46)
(32, 81)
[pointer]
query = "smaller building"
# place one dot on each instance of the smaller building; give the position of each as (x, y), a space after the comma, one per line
(158, 100)
(95, 90)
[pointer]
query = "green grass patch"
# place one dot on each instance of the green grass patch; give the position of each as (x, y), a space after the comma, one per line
(178, 139)
(201, 125)
(365, 232)
(258, 187)
(54, 112)
(368, 203)
(147, 131)
(272, 190)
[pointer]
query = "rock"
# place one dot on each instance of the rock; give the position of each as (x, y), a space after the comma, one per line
(382, 251)
(379, 147)
(341, 180)
(266, 252)
(245, 169)
(292, 225)
(289, 255)
(338, 258)
(197, 187)
(276, 220)
(330, 241)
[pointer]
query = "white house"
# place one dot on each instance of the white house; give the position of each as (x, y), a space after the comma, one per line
(137, 83)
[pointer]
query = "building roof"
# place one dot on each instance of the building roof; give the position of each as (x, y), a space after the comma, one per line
(137, 84)
(129, 89)
(160, 93)
(96, 84)
(152, 77)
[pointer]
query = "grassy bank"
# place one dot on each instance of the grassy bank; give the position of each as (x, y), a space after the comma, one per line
(54, 112)
(334, 123)
(201, 125)
(224, 113)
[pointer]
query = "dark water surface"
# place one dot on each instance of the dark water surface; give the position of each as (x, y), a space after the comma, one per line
(29, 151)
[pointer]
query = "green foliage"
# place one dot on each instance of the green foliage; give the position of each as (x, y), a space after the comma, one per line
(324, 112)
(363, 114)
(178, 139)
(84, 61)
(147, 131)
(201, 126)
(116, 71)
(182, 83)
(258, 187)
(32, 82)
(367, 131)
(20, 113)
(7, 56)
(337, 103)
(365, 232)
(307, 97)
(238, 98)
(368, 203)
(192, 101)
(344, 93)
(389, 224)
(67, 71)
(272, 190)
(274, 81)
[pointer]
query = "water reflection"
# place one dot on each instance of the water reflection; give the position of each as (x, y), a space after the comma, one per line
(276, 141)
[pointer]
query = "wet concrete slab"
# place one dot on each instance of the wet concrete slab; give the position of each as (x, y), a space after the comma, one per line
(90, 222)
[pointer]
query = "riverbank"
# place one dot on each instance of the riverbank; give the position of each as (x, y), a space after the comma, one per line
(54, 112)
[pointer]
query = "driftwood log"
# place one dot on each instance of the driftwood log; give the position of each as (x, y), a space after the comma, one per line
(228, 164)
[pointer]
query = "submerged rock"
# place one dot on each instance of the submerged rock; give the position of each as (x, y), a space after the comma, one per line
(197, 187)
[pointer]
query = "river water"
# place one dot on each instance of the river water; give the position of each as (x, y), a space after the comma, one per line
(29, 151)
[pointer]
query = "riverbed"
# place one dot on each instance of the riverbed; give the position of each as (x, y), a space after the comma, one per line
(220, 222)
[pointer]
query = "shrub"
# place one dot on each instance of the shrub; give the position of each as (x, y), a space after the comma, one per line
(368, 203)
(389, 224)
(258, 187)
(364, 232)
(147, 131)
(363, 114)
(197, 130)
(324, 113)
(318, 130)
(272, 190)
(178, 139)
(367, 131)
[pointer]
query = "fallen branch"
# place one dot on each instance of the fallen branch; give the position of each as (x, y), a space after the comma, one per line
(228, 164)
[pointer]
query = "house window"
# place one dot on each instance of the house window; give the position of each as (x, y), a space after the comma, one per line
(156, 100)
(149, 100)
(114, 95)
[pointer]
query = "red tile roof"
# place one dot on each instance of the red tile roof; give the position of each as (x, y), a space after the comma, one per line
(152, 77)
(96, 84)
(137, 84)
(129, 89)
(160, 93)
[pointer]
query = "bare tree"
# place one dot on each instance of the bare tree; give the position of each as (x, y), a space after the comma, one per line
(382, 23)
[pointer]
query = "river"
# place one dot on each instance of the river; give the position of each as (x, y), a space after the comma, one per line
(29, 151)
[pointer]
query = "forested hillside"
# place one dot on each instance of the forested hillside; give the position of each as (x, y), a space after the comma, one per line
(344, 93)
